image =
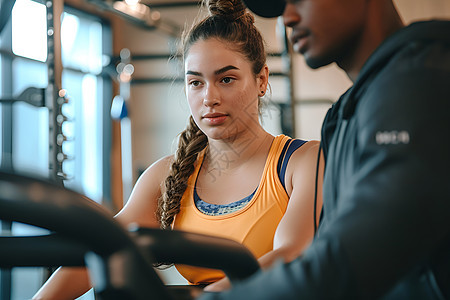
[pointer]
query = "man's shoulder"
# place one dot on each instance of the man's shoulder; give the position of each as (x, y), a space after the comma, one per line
(432, 31)
(410, 41)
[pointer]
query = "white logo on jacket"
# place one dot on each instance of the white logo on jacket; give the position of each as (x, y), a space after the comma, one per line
(392, 137)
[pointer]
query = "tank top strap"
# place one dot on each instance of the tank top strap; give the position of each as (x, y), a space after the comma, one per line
(288, 149)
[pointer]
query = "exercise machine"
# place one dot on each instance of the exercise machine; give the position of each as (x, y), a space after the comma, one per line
(120, 261)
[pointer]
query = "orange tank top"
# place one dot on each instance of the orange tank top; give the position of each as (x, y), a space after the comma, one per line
(254, 225)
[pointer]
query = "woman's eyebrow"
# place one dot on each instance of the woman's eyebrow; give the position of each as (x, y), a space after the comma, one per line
(224, 69)
(193, 73)
(220, 71)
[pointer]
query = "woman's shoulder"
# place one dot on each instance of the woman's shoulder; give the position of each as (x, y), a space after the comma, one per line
(306, 152)
(312, 144)
(143, 200)
(159, 168)
(164, 161)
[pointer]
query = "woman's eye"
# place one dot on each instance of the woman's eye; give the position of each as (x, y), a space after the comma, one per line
(195, 83)
(227, 80)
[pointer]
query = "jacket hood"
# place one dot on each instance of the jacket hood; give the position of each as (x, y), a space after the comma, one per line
(437, 30)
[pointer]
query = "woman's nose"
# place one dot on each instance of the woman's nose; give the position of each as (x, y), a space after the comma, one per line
(212, 97)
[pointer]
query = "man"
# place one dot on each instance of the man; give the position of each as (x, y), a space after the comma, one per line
(385, 230)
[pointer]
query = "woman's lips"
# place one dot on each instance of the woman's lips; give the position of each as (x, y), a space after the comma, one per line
(215, 118)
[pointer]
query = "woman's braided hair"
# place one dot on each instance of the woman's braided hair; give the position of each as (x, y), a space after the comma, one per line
(191, 142)
(229, 22)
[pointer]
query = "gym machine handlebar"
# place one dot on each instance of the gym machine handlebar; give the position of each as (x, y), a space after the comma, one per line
(85, 233)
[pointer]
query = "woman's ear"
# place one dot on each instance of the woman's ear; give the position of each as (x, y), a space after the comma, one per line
(262, 80)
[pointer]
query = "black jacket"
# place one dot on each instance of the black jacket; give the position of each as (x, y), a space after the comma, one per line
(385, 231)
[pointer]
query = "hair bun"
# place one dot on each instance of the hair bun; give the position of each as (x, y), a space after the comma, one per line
(227, 9)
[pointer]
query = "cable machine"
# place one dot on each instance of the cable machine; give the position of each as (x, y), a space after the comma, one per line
(55, 96)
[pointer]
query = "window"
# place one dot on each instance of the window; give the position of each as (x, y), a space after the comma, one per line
(29, 30)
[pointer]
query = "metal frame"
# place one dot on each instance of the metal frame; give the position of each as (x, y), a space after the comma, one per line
(51, 97)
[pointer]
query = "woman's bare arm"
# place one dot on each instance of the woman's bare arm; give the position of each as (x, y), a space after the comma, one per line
(296, 229)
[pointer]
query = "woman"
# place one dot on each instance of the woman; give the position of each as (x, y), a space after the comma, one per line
(229, 177)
